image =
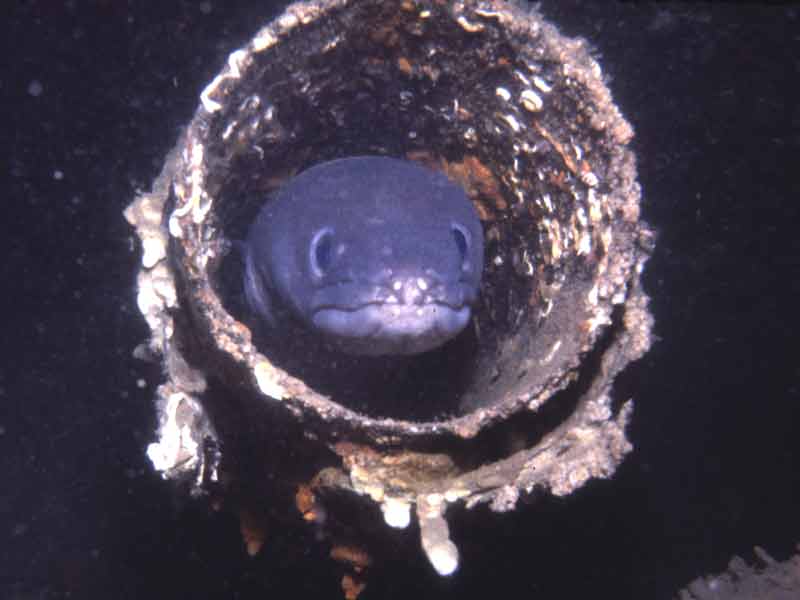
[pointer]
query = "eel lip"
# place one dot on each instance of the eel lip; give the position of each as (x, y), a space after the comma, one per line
(383, 328)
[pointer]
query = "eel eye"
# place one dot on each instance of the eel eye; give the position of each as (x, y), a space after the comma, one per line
(462, 239)
(320, 254)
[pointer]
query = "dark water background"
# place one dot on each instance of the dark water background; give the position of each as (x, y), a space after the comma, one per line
(93, 96)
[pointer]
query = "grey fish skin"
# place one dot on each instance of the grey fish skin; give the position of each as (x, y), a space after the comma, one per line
(379, 255)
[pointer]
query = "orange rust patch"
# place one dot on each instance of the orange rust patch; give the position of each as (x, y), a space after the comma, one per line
(559, 180)
(352, 555)
(405, 65)
(253, 531)
(476, 178)
(568, 160)
(352, 587)
(480, 183)
(304, 500)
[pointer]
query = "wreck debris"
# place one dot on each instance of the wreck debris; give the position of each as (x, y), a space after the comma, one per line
(520, 116)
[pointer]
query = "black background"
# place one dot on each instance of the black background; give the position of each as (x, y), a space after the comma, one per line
(711, 92)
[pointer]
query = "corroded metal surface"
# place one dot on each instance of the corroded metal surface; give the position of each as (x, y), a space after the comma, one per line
(520, 116)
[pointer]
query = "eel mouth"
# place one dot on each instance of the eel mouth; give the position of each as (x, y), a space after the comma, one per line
(389, 328)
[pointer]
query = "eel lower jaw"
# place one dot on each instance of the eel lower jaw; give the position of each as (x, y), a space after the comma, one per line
(384, 328)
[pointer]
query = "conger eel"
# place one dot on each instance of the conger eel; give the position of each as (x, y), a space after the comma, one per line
(379, 255)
